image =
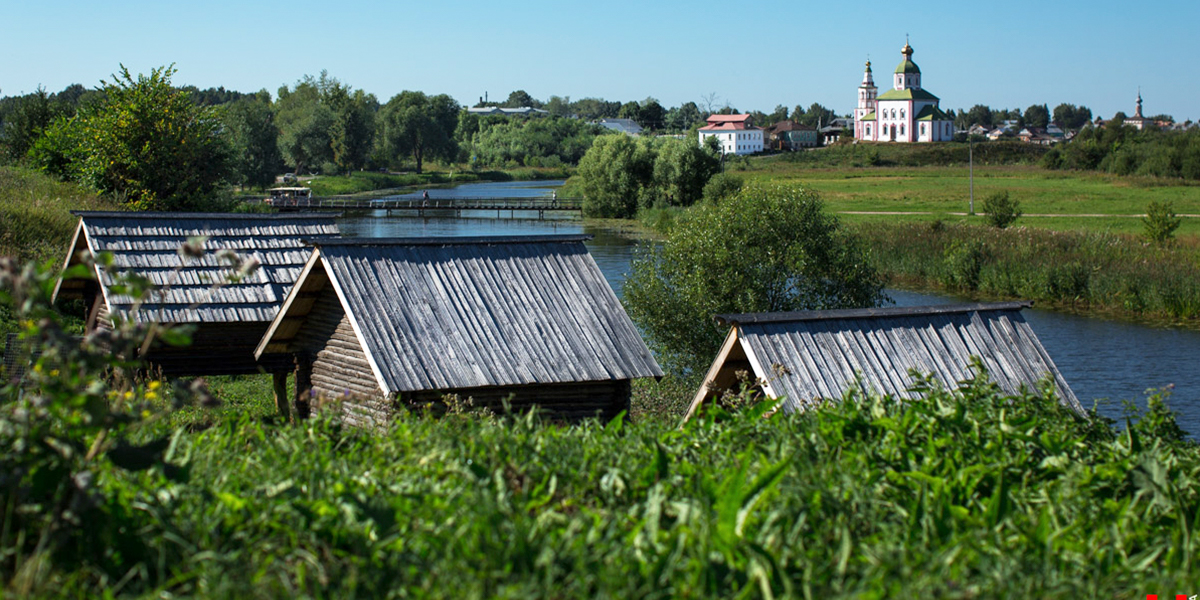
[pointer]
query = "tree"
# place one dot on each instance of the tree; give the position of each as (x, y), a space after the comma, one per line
(147, 143)
(1037, 115)
(651, 114)
(559, 106)
(1071, 116)
(817, 116)
(779, 114)
(980, 115)
(682, 118)
(353, 130)
(616, 175)
(630, 110)
(765, 249)
(797, 114)
(419, 126)
(254, 140)
(681, 170)
(304, 121)
(520, 99)
(29, 118)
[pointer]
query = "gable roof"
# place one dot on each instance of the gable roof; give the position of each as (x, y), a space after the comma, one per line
(728, 123)
(805, 356)
(148, 244)
(454, 313)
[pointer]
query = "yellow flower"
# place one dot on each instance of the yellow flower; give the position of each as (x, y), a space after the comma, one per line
(151, 395)
(154, 385)
(54, 372)
(129, 395)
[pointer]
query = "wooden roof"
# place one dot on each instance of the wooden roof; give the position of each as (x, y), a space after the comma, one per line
(810, 355)
(148, 244)
(454, 313)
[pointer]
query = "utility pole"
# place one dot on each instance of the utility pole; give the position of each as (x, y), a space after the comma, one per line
(971, 162)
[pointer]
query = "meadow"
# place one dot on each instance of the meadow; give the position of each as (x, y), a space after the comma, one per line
(1078, 201)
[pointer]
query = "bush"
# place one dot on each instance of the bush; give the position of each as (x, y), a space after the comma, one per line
(1001, 210)
(766, 249)
(722, 186)
(1160, 222)
(964, 262)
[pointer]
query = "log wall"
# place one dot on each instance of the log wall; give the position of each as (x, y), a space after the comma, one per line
(340, 370)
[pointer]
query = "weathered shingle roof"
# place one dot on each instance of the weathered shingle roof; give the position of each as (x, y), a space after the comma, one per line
(805, 356)
(148, 244)
(452, 313)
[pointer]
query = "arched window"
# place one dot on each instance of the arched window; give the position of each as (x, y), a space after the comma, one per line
(902, 130)
(922, 129)
(902, 113)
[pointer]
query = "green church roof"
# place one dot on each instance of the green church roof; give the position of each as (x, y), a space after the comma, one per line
(908, 94)
(869, 117)
(933, 113)
(908, 66)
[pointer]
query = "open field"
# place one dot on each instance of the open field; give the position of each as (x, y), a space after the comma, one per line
(942, 191)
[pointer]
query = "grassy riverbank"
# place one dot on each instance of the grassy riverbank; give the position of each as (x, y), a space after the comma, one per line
(1082, 271)
(962, 495)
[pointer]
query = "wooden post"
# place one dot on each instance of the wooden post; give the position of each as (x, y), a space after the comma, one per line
(303, 385)
(279, 381)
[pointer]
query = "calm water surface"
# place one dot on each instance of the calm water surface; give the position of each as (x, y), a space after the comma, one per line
(1105, 361)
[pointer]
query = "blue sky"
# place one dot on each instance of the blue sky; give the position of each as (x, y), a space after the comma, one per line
(752, 55)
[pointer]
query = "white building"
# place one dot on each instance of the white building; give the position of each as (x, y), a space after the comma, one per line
(905, 113)
(736, 134)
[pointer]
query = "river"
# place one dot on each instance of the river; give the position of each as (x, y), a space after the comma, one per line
(1104, 361)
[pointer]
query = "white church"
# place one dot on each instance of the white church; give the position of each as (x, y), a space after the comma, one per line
(905, 113)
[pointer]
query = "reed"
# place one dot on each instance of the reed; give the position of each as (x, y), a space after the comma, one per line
(1098, 272)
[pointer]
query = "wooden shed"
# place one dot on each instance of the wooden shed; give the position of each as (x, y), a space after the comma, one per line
(383, 322)
(804, 357)
(230, 319)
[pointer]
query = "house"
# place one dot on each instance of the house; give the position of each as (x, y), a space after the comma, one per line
(381, 323)
(905, 113)
(524, 111)
(229, 318)
(626, 126)
(790, 135)
(1036, 135)
(810, 356)
(978, 129)
(735, 134)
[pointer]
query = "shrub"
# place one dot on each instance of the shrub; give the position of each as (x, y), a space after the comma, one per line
(766, 249)
(964, 262)
(1001, 210)
(1160, 222)
(722, 186)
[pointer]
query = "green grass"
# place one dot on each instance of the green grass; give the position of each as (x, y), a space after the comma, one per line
(947, 190)
(965, 495)
(35, 214)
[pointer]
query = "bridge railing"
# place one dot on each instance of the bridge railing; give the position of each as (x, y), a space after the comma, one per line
(539, 204)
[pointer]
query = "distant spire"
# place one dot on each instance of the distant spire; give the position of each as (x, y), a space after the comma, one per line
(1138, 112)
